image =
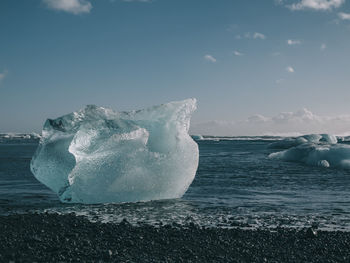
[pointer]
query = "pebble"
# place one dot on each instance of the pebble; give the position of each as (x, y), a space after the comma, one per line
(71, 238)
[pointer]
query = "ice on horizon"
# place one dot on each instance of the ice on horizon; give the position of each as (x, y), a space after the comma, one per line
(98, 155)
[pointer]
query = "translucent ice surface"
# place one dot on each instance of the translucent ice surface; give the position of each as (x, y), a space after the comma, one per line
(98, 155)
(315, 149)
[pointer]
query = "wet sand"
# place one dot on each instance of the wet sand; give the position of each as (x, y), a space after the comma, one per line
(70, 238)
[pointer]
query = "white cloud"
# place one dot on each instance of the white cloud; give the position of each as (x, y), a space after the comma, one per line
(70, 6)
(292, 42)
(3, 75)
(290, 69)
(257, 35)
(321, 5)
(210, 58)
(237, 53)
(299, 122)
(250, 35)
(279, 81)
(298, 116)
(344, 16)
(257, 118)
(323, 46)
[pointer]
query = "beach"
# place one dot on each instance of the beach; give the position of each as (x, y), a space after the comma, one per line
(71, 238)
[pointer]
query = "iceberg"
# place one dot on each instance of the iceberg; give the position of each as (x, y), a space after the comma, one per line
(197, 137)
(309, 138)
(320, 150)
(98, 155)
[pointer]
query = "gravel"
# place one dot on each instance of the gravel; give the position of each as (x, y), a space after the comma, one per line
(71, 238)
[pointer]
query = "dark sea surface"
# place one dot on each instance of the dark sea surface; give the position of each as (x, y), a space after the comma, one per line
(236, 185)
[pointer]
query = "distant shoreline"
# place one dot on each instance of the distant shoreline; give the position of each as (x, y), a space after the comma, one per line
(70, 238)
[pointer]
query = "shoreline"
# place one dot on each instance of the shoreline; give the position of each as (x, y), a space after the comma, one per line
(71, 238)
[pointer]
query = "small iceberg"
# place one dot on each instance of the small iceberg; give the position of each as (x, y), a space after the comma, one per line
(310, 138)
(97, 155)
(315, 149)
(197, 137)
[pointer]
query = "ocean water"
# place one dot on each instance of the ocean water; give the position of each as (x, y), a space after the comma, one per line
(236, 185)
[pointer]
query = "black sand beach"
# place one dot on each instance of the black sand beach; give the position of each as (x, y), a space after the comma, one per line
(71, 238)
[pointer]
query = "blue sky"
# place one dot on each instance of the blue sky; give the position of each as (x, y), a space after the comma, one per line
(238, 58)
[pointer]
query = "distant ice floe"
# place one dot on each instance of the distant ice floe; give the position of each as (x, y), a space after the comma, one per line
(235, 138)
(311, 138)
(16, 137)
(343, 138)
(20, 135)
(315, 149)
(197, 137)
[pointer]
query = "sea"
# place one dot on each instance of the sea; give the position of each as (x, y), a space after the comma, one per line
(237, 185)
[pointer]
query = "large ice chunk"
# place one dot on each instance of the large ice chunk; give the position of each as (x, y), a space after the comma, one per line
(98, 155)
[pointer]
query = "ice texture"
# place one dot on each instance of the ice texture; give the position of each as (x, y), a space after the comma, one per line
(98, 155)
(315, 149)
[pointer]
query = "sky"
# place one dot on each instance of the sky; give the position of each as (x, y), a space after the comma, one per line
(255, 67)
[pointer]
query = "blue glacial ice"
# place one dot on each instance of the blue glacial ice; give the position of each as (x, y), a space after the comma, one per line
(315, 149)
(97, 155)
